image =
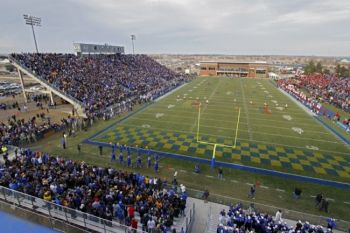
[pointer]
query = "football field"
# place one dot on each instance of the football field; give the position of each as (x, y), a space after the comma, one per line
(246, 121)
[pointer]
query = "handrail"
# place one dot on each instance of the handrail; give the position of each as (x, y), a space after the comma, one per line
(55, 224)
(72, 216)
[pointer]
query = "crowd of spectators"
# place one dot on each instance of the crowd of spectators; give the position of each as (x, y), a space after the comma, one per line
(100, 81)
(237, 220)
(39, 99)
(104, 192)
(324, 88)
(15, 131)
(20, 131)
(6, 106)
(314, 90)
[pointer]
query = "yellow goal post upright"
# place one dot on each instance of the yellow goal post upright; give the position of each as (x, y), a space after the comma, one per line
(216, 144)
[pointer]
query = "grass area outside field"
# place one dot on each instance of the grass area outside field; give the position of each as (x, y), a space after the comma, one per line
(236, 189)
(336, 127)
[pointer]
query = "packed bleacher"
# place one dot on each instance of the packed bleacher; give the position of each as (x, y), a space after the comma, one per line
(323, 88)
(237, 220)
(104, 192)
(99, 81)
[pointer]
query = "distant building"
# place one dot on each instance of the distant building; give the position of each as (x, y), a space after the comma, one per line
(234, 69)
(81, 49)
(273, 76)
(344, 61)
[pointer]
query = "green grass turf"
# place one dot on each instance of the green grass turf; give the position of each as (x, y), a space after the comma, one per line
(264, 138)
(238, 189)
(207, 179)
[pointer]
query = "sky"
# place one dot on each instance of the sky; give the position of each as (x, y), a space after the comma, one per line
(239, 27)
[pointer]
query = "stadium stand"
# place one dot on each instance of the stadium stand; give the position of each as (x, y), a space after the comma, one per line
(101, 81)
(102, 192)
(323, 88)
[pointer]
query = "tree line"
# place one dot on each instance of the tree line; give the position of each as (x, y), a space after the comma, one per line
(340, 70)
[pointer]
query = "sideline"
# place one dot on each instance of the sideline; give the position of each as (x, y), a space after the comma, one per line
(317, 118)
(170, 92)
(251, 169)
(129, 115)
(302, 106)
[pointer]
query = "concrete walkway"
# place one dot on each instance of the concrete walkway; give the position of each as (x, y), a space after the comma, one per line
(207, 216)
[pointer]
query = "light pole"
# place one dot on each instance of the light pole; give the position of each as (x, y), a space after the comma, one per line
(133, 37)
(33, 21)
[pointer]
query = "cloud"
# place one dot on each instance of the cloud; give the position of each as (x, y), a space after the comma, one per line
(317, 13)
(183, 26)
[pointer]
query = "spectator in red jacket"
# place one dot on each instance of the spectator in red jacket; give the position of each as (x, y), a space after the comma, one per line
(131, 211)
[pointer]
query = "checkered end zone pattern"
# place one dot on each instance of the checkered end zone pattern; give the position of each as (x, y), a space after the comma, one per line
(274, 156)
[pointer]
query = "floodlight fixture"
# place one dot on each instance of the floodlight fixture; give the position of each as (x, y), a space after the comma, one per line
(33, 21)
(133, 37)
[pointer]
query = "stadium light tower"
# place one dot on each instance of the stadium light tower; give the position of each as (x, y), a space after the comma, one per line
(133, 37)
(33, 21)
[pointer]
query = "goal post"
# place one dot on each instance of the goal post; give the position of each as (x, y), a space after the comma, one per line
(215, 145)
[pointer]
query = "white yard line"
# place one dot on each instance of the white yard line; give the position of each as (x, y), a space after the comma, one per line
(246, 111)
(238, 99)
(224, 112)
(264, 187)
(281, 190)
(170, 92)
(183, 116)
(308, 111)
(242, 139)
(222, 109)
(242, 130)
(193, 126)
(281, 98)
(205, 107)
(236, 111)
(293, 147)
(258, 120)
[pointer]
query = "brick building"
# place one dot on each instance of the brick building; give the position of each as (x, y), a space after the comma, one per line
(234, 69)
